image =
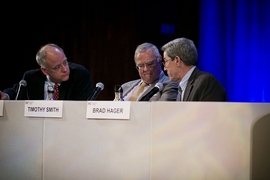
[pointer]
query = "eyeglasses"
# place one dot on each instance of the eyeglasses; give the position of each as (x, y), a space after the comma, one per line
(56, 68)
(164, 62)
(150, 64)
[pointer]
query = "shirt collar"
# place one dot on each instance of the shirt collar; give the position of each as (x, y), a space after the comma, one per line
(183, 82)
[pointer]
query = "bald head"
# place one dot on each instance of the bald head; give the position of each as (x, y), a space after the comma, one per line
(48, 51)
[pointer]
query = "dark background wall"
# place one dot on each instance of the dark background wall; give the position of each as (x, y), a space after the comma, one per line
(102, 36)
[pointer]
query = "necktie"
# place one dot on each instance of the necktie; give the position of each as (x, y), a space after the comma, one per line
(179, 98)
(56, 92)
(138, 92)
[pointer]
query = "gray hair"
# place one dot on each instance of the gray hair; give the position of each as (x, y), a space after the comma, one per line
(147, 46)
(184, 48)
(41, 55)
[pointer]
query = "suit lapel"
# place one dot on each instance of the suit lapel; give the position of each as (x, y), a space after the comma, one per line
(188, 90)
(63, 89)
(38, 91)
(190, 84)
(131, 86)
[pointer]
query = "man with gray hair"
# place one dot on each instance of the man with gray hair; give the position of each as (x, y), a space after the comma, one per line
(180, 59)
(148, 60)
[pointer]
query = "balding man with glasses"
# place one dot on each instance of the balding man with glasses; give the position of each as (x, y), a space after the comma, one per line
(56, 79)
(148, 62)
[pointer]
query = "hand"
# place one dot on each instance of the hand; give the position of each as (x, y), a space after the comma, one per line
(3, 96)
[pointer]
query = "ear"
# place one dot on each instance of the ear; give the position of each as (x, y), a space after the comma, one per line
(177, 60)
(44, 71)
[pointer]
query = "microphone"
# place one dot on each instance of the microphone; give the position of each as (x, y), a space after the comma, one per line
(158, 87)
(99, 87)
(21, 89)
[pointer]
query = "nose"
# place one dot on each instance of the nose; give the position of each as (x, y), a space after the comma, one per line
(165, 69)
(64, 68)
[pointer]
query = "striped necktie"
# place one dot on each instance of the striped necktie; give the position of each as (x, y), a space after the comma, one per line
(179, 98)
(56, 92)
(138, 92)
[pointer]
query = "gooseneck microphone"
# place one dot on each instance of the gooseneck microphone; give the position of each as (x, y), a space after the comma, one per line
(21, 89)
(99, 87)
(158, 87)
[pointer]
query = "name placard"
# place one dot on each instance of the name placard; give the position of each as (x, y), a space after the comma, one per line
(1, 107)
(43, 108)
(108, 109)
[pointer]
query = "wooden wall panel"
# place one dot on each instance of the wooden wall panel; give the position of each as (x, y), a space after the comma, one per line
(101, 37)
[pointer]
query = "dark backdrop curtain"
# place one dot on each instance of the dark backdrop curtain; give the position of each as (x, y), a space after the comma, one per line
(234, 45)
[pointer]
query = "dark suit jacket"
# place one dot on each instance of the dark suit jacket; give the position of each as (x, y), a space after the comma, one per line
(77, 87)
(203, 86)
(169, 92)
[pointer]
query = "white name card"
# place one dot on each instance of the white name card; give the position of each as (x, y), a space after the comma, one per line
(1, 107)
(43, 108)
(108, 109)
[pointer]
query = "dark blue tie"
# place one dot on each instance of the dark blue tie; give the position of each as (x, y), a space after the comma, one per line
(179, 98)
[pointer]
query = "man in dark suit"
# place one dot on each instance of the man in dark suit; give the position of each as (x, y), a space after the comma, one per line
(73, 79)
(180, 58)
(148, 63)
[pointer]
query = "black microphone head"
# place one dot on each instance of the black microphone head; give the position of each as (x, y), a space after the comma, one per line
(100, 85)
(23, 83)
(159, 85)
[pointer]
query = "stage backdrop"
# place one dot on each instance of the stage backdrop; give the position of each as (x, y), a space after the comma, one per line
(234, 45)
